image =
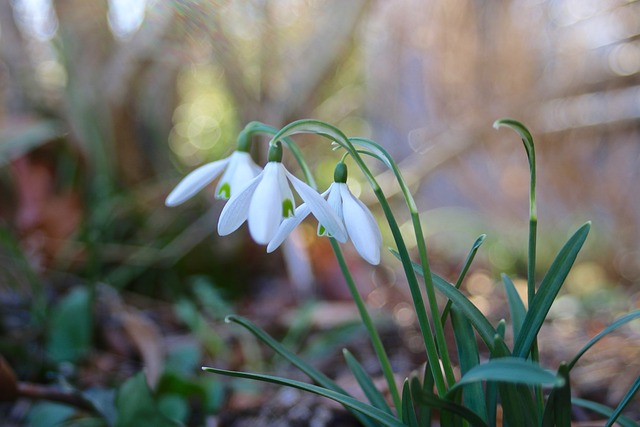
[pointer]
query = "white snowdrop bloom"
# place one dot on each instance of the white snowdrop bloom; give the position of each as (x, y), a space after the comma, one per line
(358, 220)
(267, 200)
(240, 170)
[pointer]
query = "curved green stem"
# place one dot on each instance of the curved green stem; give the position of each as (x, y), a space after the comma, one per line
(368, 323)
(334, 134)
(252, 128)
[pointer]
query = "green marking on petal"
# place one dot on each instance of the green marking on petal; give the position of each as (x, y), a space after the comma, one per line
(225, 191)
(287, 208)
(321, 230)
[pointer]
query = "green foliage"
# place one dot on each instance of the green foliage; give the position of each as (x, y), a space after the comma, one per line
(137, 406)
(512, 378)
(70, 327)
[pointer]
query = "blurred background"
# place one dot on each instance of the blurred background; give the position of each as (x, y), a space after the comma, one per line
(105, 105)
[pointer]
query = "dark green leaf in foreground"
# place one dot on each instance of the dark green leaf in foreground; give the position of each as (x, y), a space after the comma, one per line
(511, 370)
(137, 407)
(70, 325)
(349, 402)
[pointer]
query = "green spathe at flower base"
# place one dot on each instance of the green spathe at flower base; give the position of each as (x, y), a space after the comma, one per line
(507, 374)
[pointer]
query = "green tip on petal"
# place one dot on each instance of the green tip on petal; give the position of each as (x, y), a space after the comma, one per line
(340, 173)
(225, 191)
(287, 208)
(321, 230)
(275, 152)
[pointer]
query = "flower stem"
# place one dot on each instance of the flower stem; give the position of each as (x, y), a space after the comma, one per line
(368, 323)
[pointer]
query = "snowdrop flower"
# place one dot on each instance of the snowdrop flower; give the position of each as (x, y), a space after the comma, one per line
(240, 169)
(359, 222)
(267, 200)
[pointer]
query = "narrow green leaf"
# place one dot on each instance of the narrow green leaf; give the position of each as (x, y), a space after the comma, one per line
(511, 370)
(408, 411)
(468, 355)
(366, 384)
(619, 322)
(429, 399)
(516, 306)
(470, 311)
(549, 288)
(623, 404)
(518, 406)
(557, 412)
(463, 273)
(19, 141)
(309, 370)
(524, 133)
(416, 388)
(604, 410)
(348, 401)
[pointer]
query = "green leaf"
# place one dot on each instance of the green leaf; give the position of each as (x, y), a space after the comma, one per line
(309, 370)
(557, 412)
(549, 288)
(366, 384)
(604, 410)
(511, 370)
(427, 398)
(625, 401)
(408, 411)
(463, 273)
(136, 405)
(524, 133)
(69, 336)
(49, 414)
(516, 306)
(469, 357)
(347, 401)
(619, 322)
(470, 311)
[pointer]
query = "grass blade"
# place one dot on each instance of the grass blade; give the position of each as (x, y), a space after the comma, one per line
(427, 398)
(511, 370)
(516, 306)
(470, 311)
(375, 397)
(549, 288)
(312, 372)
(625, 401)
(408, 411)
(557, 412)
(347, 401)
(468, 355)
(619, 322)
(604, 410)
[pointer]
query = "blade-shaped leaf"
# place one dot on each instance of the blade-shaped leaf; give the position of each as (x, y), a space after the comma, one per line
(516, 306)
(624, 402)
(373, 394)
(309, 370)
(468, 355)
(427, 398)
(619, 322)
(408, 411)
(511, 370)
(470, 311)
(549, 288)
(604, 410)
(557, 412)
(348, 401)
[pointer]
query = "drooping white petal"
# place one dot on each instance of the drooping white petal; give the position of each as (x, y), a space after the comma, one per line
(265, 210)
(361, 226)
(287, 226)
(240, 171)
(335, 202)
(195, 181)
(236, 210)
(320, 209)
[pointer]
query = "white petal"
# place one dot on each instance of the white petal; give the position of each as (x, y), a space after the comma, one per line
(285, 191)
(240, 171)
(320, 209)
(287, 226)
(265, 211)
(361, 226)
(335, 201)
(236, 210)
(195, 181)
